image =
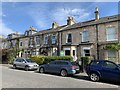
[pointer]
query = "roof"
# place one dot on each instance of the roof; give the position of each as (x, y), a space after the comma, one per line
(80, 24)
(93, 22)
(76, 25)
(50, 30)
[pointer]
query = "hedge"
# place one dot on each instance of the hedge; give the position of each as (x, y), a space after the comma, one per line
(46, 59)
(86, 60)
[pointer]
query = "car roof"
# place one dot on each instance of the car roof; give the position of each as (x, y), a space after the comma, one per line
(22, 58)
(102, 60)
(62, 60)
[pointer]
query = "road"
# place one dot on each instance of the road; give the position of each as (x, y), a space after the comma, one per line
(14, 78)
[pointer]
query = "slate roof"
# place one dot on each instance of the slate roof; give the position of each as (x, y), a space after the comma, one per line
(81, 24)
(51, 30)
(93, 22)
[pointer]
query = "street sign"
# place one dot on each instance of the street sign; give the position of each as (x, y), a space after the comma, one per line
(61, 53)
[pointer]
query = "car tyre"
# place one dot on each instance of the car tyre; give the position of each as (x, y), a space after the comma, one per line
(94, 77)
(26, 68)
(63, 73)
(41, 70)
(14, 66)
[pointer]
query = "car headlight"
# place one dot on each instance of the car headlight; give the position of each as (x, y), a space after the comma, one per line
(31, 65)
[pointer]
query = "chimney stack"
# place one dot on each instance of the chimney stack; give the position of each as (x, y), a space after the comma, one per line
(96, 13)
(55, 25)
(70, 20)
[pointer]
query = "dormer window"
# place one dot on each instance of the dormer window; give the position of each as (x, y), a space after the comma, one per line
(27, 33)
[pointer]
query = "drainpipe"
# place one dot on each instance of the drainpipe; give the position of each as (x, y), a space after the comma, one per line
(59, 42)
(97, 44)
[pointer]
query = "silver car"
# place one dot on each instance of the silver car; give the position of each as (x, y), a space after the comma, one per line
(25, 63)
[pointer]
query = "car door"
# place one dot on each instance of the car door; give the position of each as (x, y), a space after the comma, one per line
(23, 63)
(57, 67)
(18, 63)
(50, 67)
(110, 71)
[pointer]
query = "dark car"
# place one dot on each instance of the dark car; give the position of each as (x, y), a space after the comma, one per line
(103, 69)
(61, 67)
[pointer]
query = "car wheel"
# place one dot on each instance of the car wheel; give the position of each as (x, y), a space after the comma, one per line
(41, 70)
(63, 73)
(94, 77)
(14, 66)
(26, 68)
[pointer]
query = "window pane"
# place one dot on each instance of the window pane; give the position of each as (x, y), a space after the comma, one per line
(86, 52)
(67, 52)
(53, 39)
(111, 37)
(38, 40)
(46, 40)
(111, 33)
(69, 38)
(109, 65)
(111, 54)
(85, 36)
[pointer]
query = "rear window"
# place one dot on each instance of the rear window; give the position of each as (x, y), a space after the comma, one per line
(61, 63)
(95, 63)
(74, 63)
(29, 60)
(18, 60)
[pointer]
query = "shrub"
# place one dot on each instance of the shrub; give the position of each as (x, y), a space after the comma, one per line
(46, 59)
(86, 60)
(38, 59)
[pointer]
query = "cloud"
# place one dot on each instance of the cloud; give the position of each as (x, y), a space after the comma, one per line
(61, 14)
(4, 29)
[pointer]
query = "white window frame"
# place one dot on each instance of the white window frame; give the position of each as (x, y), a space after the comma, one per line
(31, 42)
(107, 39)
(112, 54)
(85, 48)
(86, 40)
(67, 37)
(37, 40)
(46, 41)
(20, 43)
(54, 40)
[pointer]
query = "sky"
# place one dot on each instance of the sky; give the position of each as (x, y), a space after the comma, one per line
(19, 16)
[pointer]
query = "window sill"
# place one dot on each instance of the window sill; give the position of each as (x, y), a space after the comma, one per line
(112, 40)
(85, 41)
(69, 43)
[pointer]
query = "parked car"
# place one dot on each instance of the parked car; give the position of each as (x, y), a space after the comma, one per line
(25, 63)
(61, 67)
(103, 69)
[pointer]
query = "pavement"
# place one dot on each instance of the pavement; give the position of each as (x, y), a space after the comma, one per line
(16, 78)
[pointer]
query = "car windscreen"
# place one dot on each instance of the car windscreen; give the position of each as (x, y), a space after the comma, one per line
(29, 60)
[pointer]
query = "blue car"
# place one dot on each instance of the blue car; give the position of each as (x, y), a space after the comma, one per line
(61, 67)
(103, 69)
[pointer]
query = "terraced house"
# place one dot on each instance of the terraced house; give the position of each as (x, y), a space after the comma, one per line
(98, 38)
